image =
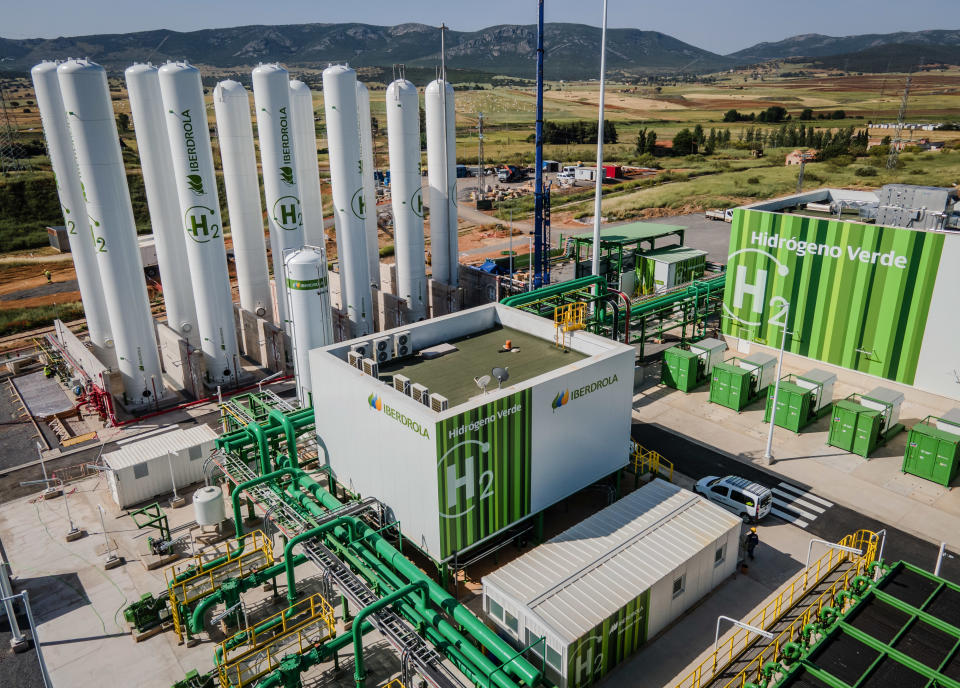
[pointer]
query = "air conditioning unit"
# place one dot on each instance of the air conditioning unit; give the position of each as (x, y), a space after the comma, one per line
(371, 368)
(354, 358)
(401, 383)
(438, 403)
(363, 348)
(402, 345)
(383, 349)
(420, 393)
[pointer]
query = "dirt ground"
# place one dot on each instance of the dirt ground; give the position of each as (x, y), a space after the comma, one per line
(25, 286)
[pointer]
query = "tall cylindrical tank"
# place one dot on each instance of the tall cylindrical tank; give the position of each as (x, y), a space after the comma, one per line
(441, 166)
(369, 186)
(208, 506)
(146, 106)
(308, 173)
(54, 119)
(271, 97)
(308, 292)
(350, 205)
(403, 132)
(231, 104)
(90, 117)
(188, 134)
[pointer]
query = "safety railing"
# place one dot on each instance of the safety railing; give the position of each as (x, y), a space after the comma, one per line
(731, 648)
(294, 630)
(648, 461)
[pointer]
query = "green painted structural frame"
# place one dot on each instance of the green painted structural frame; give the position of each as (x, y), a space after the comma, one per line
(885, 650)
(868, 316)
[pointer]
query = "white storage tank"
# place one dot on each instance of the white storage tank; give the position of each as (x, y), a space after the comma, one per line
(231, 103)
(441, 168)
(369, 185)
(350, 204)
(139, 470)
(93, 128)
(598, 591)
(403, 131)
(208, 507)
(189, 138)
(146, 106)
(308, 173)
(308, 292)
(60, 147)
(271, 97)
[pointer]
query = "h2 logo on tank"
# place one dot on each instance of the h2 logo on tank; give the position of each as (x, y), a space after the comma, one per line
(287, 214)
(201, 225)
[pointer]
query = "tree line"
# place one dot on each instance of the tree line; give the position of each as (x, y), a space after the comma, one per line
(698, 140)
(568, 133)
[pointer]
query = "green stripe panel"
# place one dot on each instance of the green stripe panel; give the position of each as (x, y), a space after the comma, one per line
(857, 295)
(609, 643)
(483, 471)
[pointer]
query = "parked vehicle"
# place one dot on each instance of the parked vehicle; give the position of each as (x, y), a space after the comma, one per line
(511, 173)
(739, 495)
(566, 177)
(722, 215)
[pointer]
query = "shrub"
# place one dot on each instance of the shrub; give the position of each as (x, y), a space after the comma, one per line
(753, 180)
(866, 171)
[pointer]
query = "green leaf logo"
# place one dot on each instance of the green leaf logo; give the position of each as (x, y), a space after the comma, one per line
(195, 182)
(286, 175)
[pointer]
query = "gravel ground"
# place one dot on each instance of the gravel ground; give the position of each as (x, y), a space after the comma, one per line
(17, 670)
(42, 290)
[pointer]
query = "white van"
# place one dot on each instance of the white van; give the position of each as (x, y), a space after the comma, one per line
(744, 498)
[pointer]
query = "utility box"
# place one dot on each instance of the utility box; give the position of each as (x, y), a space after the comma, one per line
(738, 382)
(688, 367)
(801, 399)
(666, 268)
(586, 174)
(861, 423)
(933, 450)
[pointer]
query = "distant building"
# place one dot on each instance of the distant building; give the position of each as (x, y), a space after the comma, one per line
(798, 156)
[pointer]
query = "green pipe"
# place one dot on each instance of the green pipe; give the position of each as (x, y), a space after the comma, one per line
(259, 436)
(367, 537)
(344, 521)
(313, 656)
(519, 300)
(359, 675)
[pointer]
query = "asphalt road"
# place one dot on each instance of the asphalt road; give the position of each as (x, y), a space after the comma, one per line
(821, 518)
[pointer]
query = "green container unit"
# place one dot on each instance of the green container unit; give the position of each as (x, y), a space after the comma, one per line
(738, 382)
(686, 367)
(861, 423)
(933, 449)
(802, 399)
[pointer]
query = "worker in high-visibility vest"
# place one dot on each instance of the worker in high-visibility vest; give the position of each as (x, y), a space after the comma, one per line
(49, 276)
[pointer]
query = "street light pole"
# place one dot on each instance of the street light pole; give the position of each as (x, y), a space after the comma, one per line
(740, 624)
(598, 193)
(768, 454)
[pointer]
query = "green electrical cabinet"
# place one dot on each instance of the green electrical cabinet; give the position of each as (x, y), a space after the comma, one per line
(738, 382)
(793, 406)
(680, 369)
(854, 428)
(933, 451)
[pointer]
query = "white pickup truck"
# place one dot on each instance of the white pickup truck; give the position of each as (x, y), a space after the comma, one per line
(722, 215)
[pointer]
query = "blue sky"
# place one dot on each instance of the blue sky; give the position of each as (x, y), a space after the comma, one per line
(719, 25)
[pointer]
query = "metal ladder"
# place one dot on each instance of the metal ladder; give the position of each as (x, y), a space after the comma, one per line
(278, 403)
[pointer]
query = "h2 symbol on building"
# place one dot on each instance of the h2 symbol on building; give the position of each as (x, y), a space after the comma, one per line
(755, 288)
(200, 223)
(453, 480)
(286, 213)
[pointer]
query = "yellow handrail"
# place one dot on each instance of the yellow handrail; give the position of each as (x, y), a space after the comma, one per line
(793, 592)
(649, 461)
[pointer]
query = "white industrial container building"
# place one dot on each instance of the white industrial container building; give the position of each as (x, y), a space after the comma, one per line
(599, 590)
(141, 470)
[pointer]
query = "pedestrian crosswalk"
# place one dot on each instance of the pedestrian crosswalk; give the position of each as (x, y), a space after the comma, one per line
(796, 505)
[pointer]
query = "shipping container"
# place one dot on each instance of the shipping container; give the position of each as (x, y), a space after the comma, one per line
(612, 171)
(933, 449)
(140, 469)
(738, 382)
(665, 268)
(586, 174)
(587, 599)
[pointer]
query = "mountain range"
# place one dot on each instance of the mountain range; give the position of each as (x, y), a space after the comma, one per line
(506, 49)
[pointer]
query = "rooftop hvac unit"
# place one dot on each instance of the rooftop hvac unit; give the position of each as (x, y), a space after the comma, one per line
(438, 403)
(401, 383)
(401, 345)
(371, 368)
(363, 348)
(420, 393)
(383, 349)
(354, 358)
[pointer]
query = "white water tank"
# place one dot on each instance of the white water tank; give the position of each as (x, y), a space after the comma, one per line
(308, 172)
(369, 186)
(403, 130)
(208, 506)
